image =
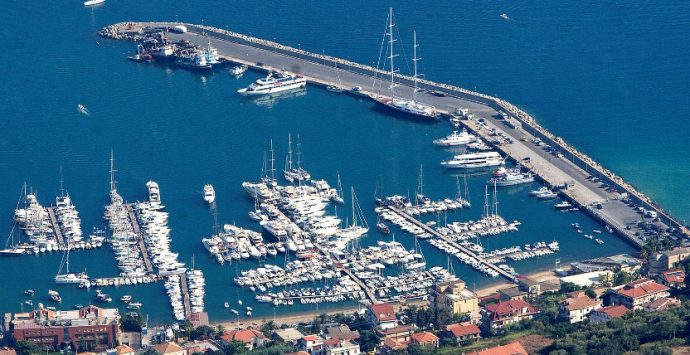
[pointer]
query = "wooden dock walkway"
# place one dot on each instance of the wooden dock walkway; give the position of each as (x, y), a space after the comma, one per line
(185, 295)
(466, 251)
(140, 240)
(56, 226)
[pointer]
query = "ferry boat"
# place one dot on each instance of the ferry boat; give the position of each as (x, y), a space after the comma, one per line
(239, 70)
(455, 138)
(275, 82)
(193, 60)
(154, 191)
(474, 160)
(511, 177)
(209, 194)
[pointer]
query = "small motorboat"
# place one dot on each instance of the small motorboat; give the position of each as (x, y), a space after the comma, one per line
(226, 305)
(93, 2)
(239, 70)
(29, 293)
(505, 16)
(82, 109)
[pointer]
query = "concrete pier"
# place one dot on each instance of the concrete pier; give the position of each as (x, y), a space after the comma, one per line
(140, 240)
(185, 294)
(466, 251)
(56, 226)
(572, 169)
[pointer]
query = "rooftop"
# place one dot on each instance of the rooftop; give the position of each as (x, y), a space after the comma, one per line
(580, 302)
(514, 348)
(661, 304)
(673, 276)
(508, 308)
(382, 311)
(245, 335)
(614, 311)
(424, 337)
(641, 288)
(463, 329)
(168, 348)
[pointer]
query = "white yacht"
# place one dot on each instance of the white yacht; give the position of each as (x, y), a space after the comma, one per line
(474, 160)
(275, 82)
(93, 2)
(209, 194)
(511, 177)
(154, 191)
(456, 138)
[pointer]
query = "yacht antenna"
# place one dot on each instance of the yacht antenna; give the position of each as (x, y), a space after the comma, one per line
(62, 188)
(414, 60)
(112, 171)
(390, 43)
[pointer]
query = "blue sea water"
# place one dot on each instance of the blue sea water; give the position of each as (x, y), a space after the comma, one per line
(609, 78)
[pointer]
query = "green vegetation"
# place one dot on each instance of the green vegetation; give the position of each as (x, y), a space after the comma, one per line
(27, 347)
(132, 322)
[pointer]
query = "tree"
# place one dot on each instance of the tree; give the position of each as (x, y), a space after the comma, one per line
(202, 332)
(24, 347)
(235, 347)
(267, 328)
(567, 287)
(621, 278)
(150, 351)
(590, 293)
(132, 322)
(368, 340)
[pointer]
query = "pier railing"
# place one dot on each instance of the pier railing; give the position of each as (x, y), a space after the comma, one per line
(529, 124)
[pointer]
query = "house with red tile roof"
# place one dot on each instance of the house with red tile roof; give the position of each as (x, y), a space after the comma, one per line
(674, 278)
(514, 348)
(313, 344)
(464, 332)
(497, 315)
(124, 350)
(251, 337)
(661, 304)
(170, 348)
(635, 294)
(381, 315)
(607, 313)
(578, 305)
(424, 339)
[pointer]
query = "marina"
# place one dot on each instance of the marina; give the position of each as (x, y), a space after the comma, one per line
(386, 148)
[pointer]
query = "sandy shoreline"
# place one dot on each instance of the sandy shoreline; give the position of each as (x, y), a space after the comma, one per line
(294, 318)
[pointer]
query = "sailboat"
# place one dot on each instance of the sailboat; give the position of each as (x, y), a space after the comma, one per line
(290, 172)
(339, 87)
(420, 261)
(339, 197)
(355, 231)
(10, 245)
(67, 277)
(399, 104)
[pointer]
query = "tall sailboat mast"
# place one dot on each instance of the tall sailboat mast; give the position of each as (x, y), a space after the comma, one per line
(414, 61)
(289, 162)
(273, 169)
(392, 55)
(112, 172)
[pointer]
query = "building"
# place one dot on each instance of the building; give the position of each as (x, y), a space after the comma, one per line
(124, 350)
(288, 335)
(635, 294)
(498, 315)
(674, 278)
(455, 296)
(578, 306)
(252, 338)
(90, 328)
(312, 344)
(668, 259)
(594, 278)
(340, 347)
(464, 332)
(424, 339)
(201, 346)
(342, 332)
(607, 313)
(170, 348)
(382, 316)
(395, 338)
(661, 304)
(514, 348)
(512, 293)
(615, 263)
(537, 287)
